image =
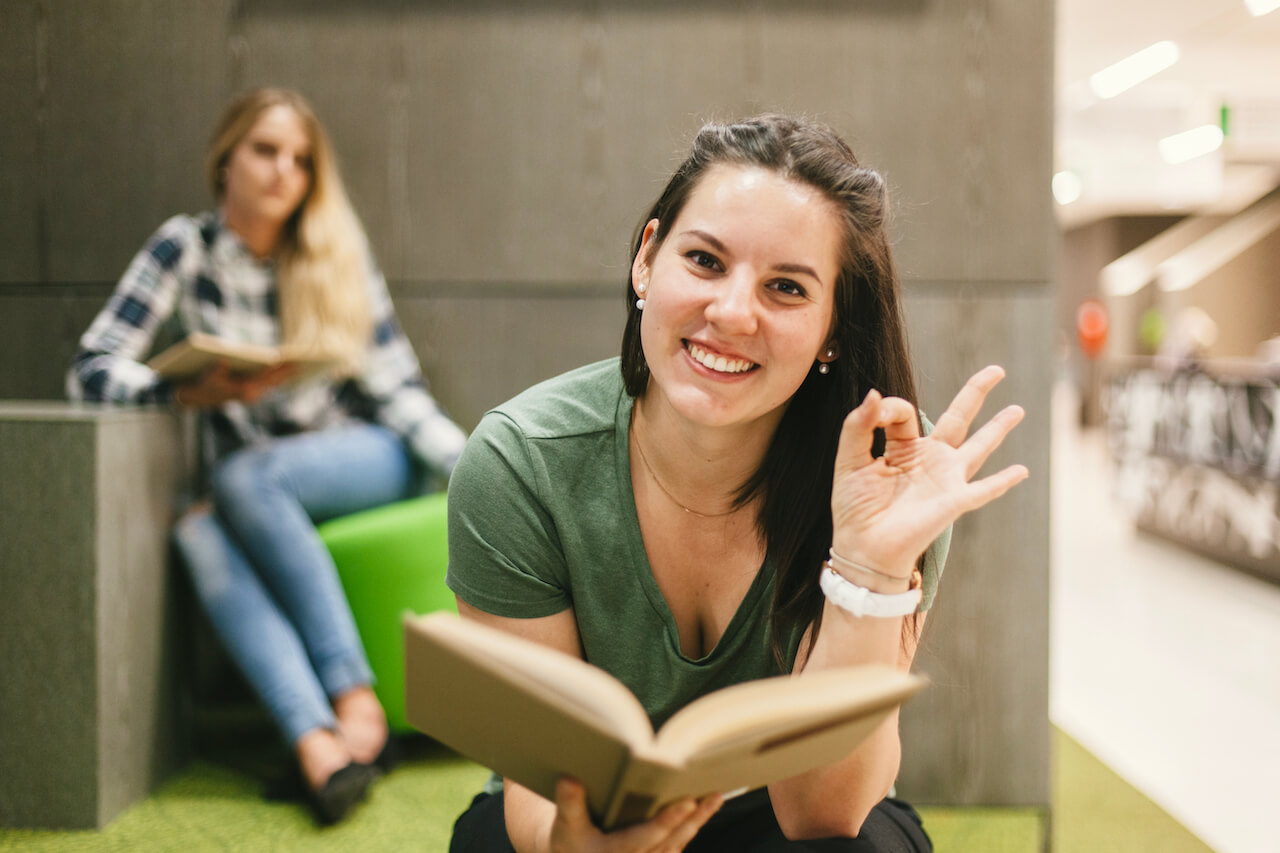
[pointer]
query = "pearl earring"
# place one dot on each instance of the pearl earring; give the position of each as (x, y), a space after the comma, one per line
(823, 367)
(641, 288)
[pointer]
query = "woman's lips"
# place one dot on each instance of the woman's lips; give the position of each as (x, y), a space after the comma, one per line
(718, 363)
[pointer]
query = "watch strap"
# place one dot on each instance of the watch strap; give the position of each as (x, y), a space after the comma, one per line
(860, 601)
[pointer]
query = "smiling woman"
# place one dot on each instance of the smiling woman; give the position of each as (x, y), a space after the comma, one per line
(667, 515)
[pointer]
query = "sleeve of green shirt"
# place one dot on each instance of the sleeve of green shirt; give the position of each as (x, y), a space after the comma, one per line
(936, 555)
(934, 559)
(504, 554)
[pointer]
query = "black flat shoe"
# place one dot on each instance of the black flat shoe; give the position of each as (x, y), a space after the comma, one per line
(343, 790)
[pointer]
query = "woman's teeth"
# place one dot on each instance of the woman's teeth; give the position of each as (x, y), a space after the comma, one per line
(720, 364)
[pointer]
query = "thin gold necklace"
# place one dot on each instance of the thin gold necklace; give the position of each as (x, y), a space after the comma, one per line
(667, 491)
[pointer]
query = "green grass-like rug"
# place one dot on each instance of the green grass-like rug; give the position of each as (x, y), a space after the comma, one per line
(1096, 811)
(212, 806)
(217, 806)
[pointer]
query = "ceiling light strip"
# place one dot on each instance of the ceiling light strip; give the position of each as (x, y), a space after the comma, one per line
(1132, 70)
(1191, 144)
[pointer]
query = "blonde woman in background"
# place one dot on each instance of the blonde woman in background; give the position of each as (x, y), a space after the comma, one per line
(283, 260)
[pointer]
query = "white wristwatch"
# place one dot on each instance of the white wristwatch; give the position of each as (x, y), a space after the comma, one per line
(860, 601)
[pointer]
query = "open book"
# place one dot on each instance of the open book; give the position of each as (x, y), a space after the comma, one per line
(197, 352)
(534, 714)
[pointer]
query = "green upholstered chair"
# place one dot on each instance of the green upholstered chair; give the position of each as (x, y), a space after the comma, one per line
(391, 560)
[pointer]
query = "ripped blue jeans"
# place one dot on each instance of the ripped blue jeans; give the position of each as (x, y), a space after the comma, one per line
(266, 579)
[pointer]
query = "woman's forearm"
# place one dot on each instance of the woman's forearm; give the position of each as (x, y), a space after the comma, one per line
(529, 818)
(835, 799)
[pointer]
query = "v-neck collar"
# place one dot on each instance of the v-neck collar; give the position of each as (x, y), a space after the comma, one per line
(735, 633)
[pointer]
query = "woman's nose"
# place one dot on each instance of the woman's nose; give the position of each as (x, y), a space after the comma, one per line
(733, 307)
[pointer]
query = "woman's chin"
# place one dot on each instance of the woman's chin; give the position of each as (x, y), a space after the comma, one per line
(714, 407)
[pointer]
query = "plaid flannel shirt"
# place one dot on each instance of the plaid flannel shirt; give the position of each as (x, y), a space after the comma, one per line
(194, 274)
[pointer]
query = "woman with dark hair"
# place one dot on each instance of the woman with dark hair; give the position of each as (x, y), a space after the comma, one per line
(746, 493)
(283, 260)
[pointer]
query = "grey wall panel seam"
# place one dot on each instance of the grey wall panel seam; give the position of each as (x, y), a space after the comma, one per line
(42, 127)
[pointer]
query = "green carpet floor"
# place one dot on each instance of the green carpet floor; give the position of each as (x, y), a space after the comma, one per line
(217, 806)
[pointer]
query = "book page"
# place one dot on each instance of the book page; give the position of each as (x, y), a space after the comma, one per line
(523, 710)
(197, 352)
(650, 785)
(749, 735)
(580, 689)
(779, 707)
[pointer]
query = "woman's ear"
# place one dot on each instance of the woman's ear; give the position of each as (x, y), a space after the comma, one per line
(640, 265)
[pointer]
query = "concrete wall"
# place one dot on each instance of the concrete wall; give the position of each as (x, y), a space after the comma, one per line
(500, 154)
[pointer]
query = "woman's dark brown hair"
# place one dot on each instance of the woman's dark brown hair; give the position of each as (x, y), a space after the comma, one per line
(795, 477)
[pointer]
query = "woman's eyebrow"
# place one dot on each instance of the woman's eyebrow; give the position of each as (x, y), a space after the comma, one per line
(802, 269)
(703, 235)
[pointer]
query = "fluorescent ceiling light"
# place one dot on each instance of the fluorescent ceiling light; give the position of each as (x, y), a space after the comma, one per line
(1259, 8)
(1067, 187)
(1124, 277)
(1134, 69)
(1191, 144)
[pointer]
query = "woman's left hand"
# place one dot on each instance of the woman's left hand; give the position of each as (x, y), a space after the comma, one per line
(887, 510)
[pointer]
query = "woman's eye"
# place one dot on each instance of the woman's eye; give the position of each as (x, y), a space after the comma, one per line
(264, 148)
(303, 163)
(788, 287)
(702, 259)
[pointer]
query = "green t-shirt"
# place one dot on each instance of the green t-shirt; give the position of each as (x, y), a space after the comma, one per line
(542, 517)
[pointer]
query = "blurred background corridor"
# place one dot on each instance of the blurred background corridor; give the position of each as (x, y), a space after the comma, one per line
(1164, 597)
(1163, 662)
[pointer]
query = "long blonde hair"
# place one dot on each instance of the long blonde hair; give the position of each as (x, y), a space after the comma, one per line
(323, 259)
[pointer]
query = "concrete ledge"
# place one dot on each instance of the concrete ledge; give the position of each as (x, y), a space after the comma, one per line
(89, 707)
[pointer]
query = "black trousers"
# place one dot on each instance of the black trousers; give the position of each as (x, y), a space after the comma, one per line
(743, 825)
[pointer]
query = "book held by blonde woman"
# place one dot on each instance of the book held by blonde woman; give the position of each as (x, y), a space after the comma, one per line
(197, 352)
